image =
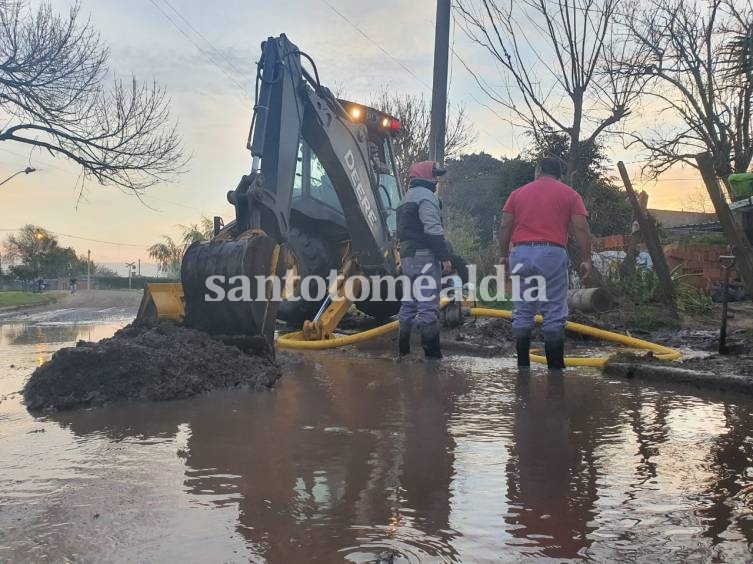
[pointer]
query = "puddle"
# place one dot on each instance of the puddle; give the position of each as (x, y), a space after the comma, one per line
(354, 457)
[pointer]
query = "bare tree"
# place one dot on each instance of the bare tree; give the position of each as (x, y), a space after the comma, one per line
(692, 77)
(53, 70)
(414, 114)
(583, 93)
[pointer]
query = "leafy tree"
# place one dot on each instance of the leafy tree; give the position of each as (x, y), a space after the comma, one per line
(53, 70)
(169, 252)
(202, 231)
(608, 206)
(740, 52)
(462, 231)
(39, 253)
(23, 272)
(104, 271)
(478, 184)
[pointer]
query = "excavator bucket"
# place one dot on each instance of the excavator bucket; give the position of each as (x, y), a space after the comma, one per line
(162, 302)
(209, 267)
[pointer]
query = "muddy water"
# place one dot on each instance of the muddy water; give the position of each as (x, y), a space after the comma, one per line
(356, 458)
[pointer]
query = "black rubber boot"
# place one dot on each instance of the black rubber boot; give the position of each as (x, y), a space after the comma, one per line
(404, 339)
(523, 349)
(554, 347)
(430, 340)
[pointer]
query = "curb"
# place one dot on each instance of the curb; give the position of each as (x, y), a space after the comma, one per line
(676, 375)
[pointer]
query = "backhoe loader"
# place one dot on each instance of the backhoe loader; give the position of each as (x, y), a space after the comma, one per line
(321, 195)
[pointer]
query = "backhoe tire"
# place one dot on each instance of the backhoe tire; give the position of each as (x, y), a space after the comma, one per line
(314, 258)
(380, 309)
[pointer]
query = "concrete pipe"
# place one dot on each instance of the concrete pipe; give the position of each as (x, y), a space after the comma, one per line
(589, 300)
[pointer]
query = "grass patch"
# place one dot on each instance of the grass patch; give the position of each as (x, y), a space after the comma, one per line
(8, 299)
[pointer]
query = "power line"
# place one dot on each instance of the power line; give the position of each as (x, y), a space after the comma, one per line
(190, 207)
(377, 45)
(118, 244)
(28, 157)
(407, 69)
(211, 59)
(214, 49)
(59, 234)
(146, 196)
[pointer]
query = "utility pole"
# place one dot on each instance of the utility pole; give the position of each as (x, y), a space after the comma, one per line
(743, 250)
(139, 267)
(439, 84)
(88, 269)
(651, 238)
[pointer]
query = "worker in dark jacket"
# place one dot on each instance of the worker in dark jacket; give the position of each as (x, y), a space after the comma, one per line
(423, 252)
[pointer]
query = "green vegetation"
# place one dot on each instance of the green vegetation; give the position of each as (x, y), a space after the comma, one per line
(477, 186)
(9, 299)
(33, 252)
(637, 295)
(169, 252)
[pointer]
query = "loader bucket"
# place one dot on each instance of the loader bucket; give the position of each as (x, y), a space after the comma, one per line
(162, 302)
(220, 261)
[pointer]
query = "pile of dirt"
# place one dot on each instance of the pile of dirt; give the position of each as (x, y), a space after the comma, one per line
(154, 363)
(486, 331)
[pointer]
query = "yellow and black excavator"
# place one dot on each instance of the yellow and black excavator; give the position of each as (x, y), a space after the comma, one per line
(321, 195)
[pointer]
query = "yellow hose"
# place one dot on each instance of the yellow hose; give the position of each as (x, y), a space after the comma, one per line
(660, 352)
(296, 341)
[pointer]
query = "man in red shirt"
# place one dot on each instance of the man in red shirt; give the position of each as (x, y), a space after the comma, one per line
(536, 219)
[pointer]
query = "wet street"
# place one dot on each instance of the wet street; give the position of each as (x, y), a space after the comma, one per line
(354, 457)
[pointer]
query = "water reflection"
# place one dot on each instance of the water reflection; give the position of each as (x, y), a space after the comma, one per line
(338, 448)
(34, 334)
(359, 458)
(730, 492)
(553, 467)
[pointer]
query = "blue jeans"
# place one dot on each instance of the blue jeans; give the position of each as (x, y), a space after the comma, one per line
(426, 310)
(551, 263)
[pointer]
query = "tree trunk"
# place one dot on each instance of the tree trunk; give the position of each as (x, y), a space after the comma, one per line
(573, 159)
(743, 250)
(651, 237)
(596, 280)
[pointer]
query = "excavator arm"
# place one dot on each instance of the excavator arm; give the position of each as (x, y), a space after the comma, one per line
(291, 106)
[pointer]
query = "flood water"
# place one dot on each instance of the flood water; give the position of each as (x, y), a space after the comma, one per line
(354, 457)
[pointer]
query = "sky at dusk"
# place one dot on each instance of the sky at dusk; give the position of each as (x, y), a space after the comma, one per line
(210, 80)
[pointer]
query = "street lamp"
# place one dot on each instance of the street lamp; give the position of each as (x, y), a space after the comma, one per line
(40, 236)
(27, 170)
(131, 267)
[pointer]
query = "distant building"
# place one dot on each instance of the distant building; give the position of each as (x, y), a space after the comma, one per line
(682, 225)
(670, 219)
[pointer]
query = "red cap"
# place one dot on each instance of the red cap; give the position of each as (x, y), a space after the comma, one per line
(425, 170)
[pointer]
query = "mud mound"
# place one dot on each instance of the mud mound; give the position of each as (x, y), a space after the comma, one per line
(487, 331)
(155, 363)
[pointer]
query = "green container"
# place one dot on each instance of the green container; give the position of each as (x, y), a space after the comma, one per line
(741, 184)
